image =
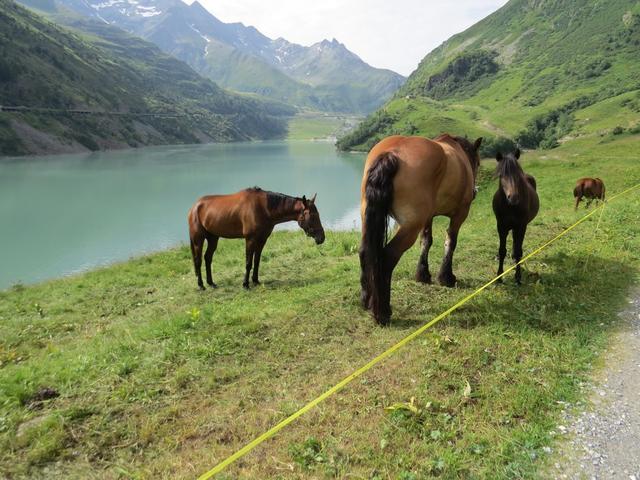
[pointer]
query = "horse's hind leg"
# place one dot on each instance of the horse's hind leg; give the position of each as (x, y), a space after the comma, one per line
(578, 198)
(212, 244)
(422, 272)
(446, 276)
(518, 240)
(197, 242)
(365, 295)
(402, 240)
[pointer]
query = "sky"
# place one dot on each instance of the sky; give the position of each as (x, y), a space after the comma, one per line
(394, 34)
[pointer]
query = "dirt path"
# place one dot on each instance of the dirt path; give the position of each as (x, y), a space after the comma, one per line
(604, 440)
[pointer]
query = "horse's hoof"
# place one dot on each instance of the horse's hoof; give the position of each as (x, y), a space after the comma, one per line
(383, 319)
(256, 282)
(423, 278)
(245, 285)
(201, 288)
(448, 281)
(499, 280)
(213, 285)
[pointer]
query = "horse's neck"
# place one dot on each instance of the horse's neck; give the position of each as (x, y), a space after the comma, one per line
(287, 211)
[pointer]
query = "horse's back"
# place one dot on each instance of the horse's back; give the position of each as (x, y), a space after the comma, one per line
(223, 215)
(589, 187)
(428, 179)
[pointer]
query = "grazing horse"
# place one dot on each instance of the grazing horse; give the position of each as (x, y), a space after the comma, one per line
(515, 204)
(249, 214)
(590, 188)
(412, 179)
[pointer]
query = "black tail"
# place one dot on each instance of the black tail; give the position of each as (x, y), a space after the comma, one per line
(379, 197)
(603, 189)
(577, 192)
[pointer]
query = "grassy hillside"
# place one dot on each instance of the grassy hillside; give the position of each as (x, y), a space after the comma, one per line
(527, 72)
(158, 380)
(99, 68)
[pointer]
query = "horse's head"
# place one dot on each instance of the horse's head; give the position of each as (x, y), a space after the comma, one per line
(472, 150)
(510, 173)
(309, 220)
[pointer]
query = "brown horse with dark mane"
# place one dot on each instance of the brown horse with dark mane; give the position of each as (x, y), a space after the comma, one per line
(249, 214)
(412, 179)
(590, 188)
(515, 204)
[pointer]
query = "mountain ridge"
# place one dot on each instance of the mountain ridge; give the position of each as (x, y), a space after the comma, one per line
(242, 58)
(528, 70)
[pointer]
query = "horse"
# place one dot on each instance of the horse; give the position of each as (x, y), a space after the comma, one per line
(250, 214)
(591, 188)
(412, 179)
(515, 204)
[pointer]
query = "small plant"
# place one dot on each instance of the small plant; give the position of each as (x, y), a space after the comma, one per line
(309, 454)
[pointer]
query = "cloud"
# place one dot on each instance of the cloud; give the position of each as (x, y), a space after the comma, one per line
(388, 34)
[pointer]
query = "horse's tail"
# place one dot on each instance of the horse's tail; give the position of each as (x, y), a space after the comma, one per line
(379, 197)
(577, 192)
(602, 189)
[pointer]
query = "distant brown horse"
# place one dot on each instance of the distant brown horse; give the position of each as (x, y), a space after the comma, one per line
(249, 214)
(515, 204)
(412, 179)
(590, 188)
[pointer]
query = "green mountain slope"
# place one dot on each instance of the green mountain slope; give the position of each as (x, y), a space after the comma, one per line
(43, 65)
(528, 72)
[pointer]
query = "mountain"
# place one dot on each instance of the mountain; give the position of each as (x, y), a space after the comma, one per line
(535, 72)
(114, 82)
(325, 76)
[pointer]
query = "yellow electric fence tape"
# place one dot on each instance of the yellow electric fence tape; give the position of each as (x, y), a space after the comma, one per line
(336, 388)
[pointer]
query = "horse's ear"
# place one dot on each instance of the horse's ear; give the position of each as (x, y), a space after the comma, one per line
(313, 200)
(517, 153)
(499, 156)
(477, 143)
(304, 200)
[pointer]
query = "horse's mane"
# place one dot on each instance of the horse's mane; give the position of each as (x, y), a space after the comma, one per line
(508, 166)
(275, 200)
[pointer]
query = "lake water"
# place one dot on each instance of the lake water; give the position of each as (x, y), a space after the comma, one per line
(67, 213)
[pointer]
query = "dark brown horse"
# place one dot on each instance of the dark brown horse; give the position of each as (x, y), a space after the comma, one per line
(412, 179)
(249, 214)
(515, 204)
(590, 188)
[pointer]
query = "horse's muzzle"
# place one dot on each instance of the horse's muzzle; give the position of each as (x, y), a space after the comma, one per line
(319, 238)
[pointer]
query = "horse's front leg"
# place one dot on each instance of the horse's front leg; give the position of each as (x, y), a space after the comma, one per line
(422, 271)
(256, 261)
(249, 251)
(446, 276)
(518, 240)
(503, 231)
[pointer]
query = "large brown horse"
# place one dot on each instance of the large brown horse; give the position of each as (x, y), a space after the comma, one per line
(515, 204)
(249, 214)
(412, 179)
(590, 188)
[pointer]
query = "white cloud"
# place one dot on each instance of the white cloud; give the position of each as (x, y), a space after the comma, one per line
(389, 34)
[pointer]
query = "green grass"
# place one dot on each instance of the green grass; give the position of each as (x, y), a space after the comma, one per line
(159, 380)
(319, 126)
